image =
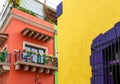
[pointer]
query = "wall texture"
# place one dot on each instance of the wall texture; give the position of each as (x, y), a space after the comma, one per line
(81, 22)
(15, 41)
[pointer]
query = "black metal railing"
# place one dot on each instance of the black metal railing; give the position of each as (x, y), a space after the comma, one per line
(37, 59)
(5, 57)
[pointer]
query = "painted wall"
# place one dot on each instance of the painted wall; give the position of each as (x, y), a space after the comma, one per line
(21, 76)
(15, 41)
(80, 23)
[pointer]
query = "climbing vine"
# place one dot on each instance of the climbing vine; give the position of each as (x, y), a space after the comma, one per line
(16, 2)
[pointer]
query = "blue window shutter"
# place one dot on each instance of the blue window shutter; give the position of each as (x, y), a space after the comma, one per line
(59, 10)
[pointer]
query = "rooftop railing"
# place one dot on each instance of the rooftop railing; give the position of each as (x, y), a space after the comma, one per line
(49, 14)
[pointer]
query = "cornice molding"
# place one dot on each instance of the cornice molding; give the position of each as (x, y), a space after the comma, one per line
(25, 20)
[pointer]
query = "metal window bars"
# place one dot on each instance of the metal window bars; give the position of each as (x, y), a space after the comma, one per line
(111, 56)
(106, 65)
(110, 67)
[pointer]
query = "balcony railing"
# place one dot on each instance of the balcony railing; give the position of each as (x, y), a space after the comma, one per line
(5, 60)
(5, 57)
(47, 64)
(31, 58)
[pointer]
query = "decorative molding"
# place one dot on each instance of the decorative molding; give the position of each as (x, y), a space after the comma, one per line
(25, 20)
(35, 45)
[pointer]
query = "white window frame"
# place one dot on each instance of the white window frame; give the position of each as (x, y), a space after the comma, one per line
(35, 45)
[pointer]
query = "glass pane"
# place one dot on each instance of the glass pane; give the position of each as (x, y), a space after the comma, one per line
(27, 48)
(41, 52)
(34, 50)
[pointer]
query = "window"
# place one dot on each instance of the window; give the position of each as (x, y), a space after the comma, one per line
(34, 47)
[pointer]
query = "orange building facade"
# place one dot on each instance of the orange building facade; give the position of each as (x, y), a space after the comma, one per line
(27, 49)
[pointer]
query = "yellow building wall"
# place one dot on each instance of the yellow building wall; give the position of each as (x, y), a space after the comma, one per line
(80, 23)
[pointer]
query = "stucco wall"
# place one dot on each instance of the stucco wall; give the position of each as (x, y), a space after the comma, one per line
(80, 23)
(15, 41)
(16, 36)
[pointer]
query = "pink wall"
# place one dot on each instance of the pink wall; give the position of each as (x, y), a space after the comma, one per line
(15, 41)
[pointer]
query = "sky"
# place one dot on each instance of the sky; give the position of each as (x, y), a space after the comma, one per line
(51, 3)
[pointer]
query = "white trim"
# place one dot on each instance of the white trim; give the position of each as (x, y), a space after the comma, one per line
(35, 45)
(6, 46)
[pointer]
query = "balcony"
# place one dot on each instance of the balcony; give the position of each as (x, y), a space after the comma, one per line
(35, 62)
(5, 60)
(26, 15)
(47, 13)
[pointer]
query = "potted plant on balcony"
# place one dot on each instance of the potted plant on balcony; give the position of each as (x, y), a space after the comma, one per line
(49, 60)
(45, 58)
(3, 56)
(28, 56)
(55, 62)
